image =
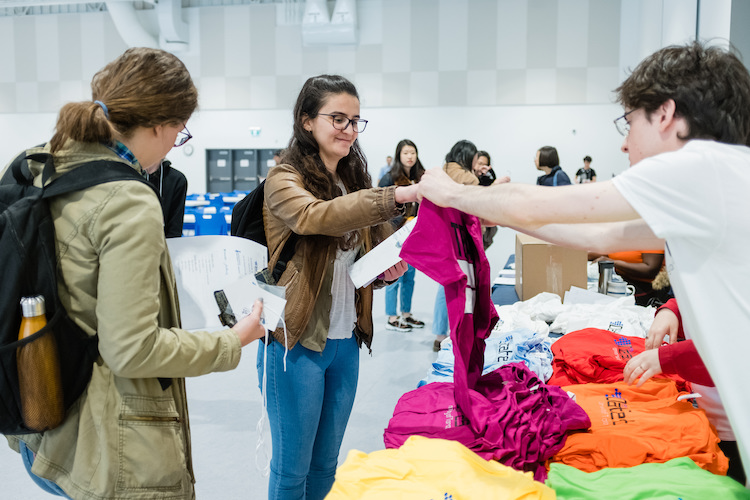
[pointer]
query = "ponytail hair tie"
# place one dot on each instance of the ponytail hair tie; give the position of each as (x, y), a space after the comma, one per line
(104, 108)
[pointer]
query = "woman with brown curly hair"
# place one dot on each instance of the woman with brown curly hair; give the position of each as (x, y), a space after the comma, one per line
(322, 193)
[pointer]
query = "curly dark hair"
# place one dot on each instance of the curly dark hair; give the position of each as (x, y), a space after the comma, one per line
(709, 85)
(303, 152)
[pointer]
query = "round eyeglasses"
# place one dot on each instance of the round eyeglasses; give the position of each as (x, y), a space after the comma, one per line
(340, 122)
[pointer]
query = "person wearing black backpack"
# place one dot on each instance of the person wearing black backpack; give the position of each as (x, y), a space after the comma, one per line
(321, 192)
(127, 436)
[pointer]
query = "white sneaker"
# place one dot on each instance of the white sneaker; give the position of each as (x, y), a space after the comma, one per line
(398, 325)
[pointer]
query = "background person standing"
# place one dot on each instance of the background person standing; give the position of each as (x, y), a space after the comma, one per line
(406, 170)
(586, 173)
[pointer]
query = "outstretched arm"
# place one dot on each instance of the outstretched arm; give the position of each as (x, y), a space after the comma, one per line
(602, 238)
(529, 207)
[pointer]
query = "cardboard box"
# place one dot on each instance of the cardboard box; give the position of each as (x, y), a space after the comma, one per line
(544, 267)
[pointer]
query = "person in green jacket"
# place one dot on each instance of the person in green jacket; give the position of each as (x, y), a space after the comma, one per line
(128, 435)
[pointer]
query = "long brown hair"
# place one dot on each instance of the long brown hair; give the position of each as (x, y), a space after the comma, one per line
(141, 88)
(303, 152)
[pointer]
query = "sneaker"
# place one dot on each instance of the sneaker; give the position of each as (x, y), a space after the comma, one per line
(398, 325)
(413, 322)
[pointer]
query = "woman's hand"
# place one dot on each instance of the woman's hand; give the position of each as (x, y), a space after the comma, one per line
(249, 327)
(501, 180)
(406, 194)
(395, 272)
(642, 367)
(665, 323)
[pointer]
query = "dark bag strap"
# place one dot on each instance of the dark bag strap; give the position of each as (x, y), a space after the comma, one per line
(87, 175)
(244, 222)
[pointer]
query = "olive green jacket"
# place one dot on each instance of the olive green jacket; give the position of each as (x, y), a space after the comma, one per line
(125, 437)
(288, 208)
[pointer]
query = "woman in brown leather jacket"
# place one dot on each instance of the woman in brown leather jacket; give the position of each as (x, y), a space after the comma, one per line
(322, 193)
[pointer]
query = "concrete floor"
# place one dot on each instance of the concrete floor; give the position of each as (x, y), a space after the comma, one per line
(225, 407)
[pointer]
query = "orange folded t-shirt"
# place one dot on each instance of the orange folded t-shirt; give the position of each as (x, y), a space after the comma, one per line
(636, 425)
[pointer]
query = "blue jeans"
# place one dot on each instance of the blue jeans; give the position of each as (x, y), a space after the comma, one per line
(406, 282)
(48, 486)
(308, 409)
(440, 324)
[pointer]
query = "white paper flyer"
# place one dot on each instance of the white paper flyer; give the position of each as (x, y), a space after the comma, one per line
(204, 264)
(384, 256)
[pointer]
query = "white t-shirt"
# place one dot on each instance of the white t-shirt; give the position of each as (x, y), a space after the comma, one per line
(343, 314)
(698, 200)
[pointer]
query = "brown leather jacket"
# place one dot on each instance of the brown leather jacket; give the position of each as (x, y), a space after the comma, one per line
(460, 174)
(288, 208)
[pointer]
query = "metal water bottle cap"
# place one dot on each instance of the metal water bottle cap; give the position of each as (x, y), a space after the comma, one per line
(32, 306)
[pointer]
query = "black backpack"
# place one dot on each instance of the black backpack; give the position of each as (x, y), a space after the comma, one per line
(247, 222)
(29, 267)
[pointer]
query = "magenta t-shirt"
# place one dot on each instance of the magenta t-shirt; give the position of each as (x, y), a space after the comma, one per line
(446, 245)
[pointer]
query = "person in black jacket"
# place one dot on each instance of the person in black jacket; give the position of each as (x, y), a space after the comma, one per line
(172, 187)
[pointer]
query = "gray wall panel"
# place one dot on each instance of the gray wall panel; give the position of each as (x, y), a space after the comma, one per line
(604, 32)
(369, 58)
(571, 85)
(212, 42)
(482, 44)
(511, 86)
(8, 98)
(452, 88)
(424, 35)
(396, 89)
(541, 35)
(25, 49)
(263, 40)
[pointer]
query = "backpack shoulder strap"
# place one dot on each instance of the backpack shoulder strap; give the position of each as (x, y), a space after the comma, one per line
(87, 175)
(16, 174)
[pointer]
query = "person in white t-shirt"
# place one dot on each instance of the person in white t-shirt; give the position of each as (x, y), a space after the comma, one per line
(687, 127)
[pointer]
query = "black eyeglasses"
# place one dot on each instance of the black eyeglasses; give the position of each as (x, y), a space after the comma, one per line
(622, 124)
(182, 137)
(340, 122)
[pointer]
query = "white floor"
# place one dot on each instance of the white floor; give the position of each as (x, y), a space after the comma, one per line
(225, 407)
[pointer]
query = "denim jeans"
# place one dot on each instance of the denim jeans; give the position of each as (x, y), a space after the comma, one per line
(440, 324)
(308, 409)
(406, 282)
(48, 486)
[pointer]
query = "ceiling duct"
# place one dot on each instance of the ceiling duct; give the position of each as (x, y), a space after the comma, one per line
(161, 27)
(173, 31)
(318, 28)
(129, 26)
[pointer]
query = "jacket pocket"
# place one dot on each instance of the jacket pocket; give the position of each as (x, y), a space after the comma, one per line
(151, 447)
